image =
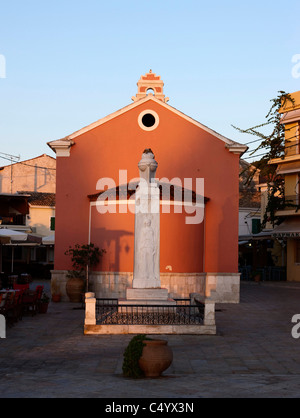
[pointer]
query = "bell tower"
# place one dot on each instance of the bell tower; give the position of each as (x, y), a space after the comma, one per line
(150, 81)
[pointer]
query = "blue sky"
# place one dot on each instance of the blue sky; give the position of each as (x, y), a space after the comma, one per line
(70, 63)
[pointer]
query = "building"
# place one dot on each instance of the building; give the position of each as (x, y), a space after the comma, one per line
(288, 232)
(37, 175)
(194, 256)
(259, 251)
(249, 202)
(27, 204)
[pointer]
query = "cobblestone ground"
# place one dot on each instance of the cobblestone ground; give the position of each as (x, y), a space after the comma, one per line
(253, 354)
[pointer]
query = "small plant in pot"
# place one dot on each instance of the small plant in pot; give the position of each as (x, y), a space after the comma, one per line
(83, 257)
(256, 276)
(56, 297)
(43, 304)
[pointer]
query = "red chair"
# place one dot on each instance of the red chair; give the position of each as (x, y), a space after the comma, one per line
(29, 303)
(39, 289)
(17, 307)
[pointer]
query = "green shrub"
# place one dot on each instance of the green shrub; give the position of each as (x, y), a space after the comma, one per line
(132, 354)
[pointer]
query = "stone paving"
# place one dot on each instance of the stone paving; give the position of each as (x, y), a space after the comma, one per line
(253, 355)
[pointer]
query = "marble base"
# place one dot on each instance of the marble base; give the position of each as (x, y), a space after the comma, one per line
(133, 302)
(158, 294)
(139, 305)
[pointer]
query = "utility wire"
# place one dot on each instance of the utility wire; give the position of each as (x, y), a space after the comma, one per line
(286, 140)
(29, 165)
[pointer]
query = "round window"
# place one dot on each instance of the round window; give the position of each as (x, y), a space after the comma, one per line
(148, 120)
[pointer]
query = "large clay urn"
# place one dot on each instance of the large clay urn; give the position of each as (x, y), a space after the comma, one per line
(156, 357)
(75, 288)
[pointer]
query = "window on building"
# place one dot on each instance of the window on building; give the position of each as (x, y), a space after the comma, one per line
(41, 254)
(297, 252)
(292, 141)
(52, 223)
(50, 255)
(33, 254)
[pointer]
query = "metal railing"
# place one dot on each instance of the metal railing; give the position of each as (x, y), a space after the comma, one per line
(269, 273)
(292, 202)
(110, 312)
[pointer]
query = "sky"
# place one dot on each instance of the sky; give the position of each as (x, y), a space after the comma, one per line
(65, 64)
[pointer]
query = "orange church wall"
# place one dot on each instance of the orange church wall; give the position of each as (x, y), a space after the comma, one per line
(115, 233)
(182, 150)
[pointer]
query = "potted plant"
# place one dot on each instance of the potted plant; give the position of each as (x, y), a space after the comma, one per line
(43, 303)
(146, 357)
(257, 276)
(83, 257)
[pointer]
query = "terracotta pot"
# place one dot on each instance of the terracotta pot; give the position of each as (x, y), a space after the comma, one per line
(56, 298)
(75, 288)
(257, 278)
(156, 357)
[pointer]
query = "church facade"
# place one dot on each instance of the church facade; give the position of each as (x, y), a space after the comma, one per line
(97, 168)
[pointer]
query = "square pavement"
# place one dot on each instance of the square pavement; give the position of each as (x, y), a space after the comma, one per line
(253, 354)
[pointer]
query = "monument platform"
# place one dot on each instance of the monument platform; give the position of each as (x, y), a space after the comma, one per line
(159, 294)
(148, 296)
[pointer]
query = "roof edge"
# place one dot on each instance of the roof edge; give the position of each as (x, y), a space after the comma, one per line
(62, 146)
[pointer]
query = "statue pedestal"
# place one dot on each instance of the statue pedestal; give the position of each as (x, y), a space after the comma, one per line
(147, 294)
(137, 297)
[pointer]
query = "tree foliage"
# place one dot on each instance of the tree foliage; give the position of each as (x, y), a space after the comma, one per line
(83, 257)
(273, 146)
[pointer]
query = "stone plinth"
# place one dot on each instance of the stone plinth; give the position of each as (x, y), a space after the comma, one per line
(145, 305)
(147, 294)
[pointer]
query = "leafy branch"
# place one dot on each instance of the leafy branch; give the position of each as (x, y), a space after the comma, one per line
(274, 145)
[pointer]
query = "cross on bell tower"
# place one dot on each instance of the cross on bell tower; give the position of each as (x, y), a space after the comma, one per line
(150, 81)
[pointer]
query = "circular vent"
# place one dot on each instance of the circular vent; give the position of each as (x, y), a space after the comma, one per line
(148, 120)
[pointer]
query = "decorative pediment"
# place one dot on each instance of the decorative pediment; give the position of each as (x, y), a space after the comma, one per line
(150, 84)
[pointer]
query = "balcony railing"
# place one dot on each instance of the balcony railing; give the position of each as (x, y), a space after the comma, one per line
(291, 203)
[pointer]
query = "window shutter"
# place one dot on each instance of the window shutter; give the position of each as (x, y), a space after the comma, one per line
(52, 223)
(256, 226)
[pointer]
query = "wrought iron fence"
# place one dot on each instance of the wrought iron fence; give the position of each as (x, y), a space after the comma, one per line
(110, 312)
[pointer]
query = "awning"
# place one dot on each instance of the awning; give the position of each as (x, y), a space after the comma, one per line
(49, 240)
(260, 236)
(290, 228)
(13, 235)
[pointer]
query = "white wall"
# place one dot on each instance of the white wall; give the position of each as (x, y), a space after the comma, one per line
(245, 220)
(39, 218)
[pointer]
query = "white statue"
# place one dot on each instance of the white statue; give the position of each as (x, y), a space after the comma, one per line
(146, 252)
